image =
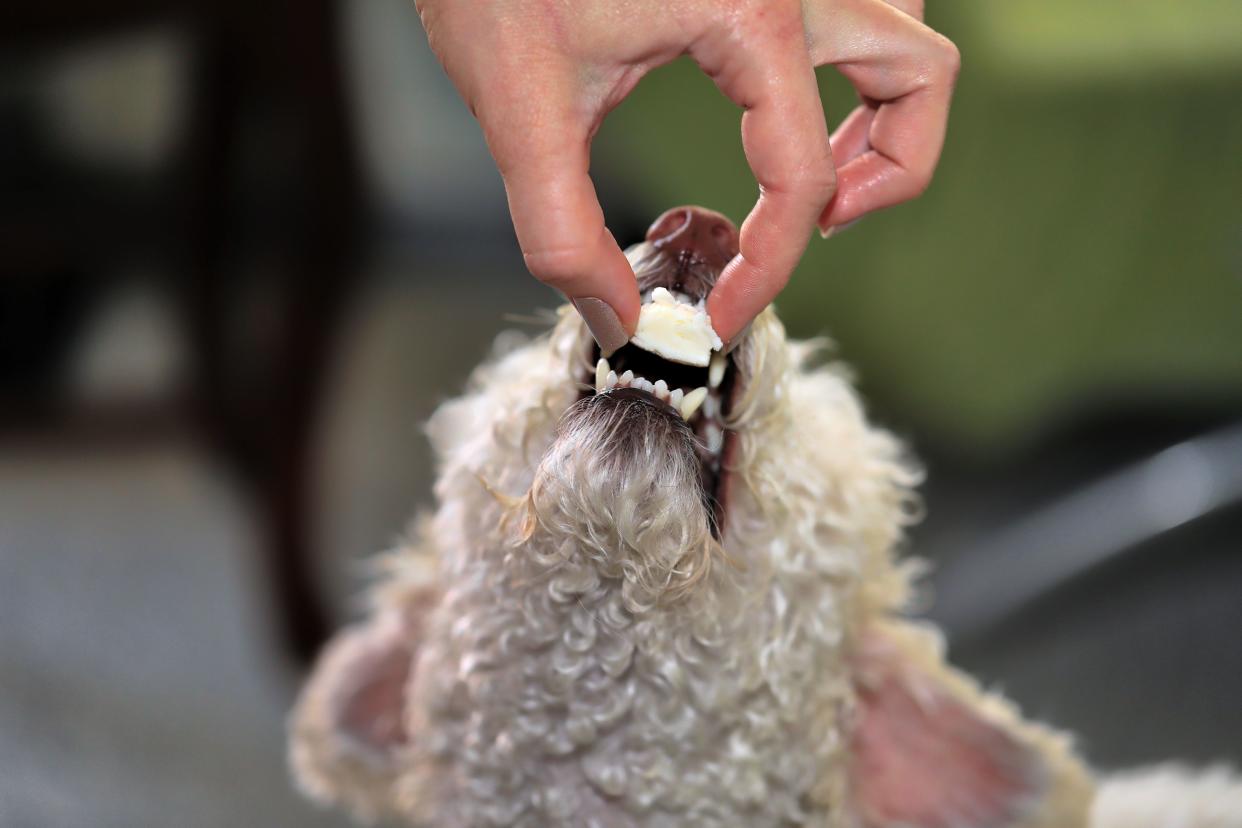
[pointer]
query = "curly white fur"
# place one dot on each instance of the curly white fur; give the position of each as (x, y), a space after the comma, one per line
(595, 658)
(1170, 796)
(712, 709)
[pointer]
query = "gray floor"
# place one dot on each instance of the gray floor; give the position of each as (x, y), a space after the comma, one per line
(138, 682)
(134, 688)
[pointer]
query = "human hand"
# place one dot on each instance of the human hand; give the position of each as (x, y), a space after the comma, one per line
(540, 77)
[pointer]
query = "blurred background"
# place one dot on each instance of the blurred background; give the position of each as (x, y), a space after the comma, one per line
(246, 248)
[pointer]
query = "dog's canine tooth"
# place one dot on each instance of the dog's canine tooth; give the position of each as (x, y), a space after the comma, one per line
(715, 373)
(627, 378)
(691, 402)
(601, 374)
(713, 437)
(675, 397)
(711, 405)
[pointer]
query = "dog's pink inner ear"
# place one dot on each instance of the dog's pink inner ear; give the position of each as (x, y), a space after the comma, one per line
(925, 759)
(367, 701)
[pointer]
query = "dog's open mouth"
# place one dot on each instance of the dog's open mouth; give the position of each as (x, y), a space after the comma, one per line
(684, 253)
(694, 396)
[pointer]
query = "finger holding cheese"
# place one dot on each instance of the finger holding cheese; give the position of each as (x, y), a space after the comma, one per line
(676, 331)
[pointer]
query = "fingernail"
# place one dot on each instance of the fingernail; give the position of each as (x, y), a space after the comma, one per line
(836, 229)
(736, 340)
(604, 324)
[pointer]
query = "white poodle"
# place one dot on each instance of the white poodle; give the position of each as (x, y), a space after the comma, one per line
(631, 610)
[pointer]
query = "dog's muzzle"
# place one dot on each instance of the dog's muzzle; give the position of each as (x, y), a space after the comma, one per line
(685, 250)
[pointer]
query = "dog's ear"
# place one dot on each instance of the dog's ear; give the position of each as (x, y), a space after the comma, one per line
(348, 729)
(931, 751)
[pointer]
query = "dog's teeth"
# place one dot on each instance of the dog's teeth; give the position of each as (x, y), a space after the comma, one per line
(627, 378)
(713, 437)
(715, 374)
(661, 389)
(601, 374)
(711, 406)
(674, 399)
(611, 380)
(643, 385)
(691, 402)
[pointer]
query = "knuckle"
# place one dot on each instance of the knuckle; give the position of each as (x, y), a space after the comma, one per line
(948, 57)
(918, 181)
(818, 182)
(824, 181)
(559, 266)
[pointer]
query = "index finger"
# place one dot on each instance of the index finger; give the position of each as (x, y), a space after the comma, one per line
(768, 72)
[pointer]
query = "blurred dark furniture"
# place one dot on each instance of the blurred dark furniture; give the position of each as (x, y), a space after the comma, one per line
(253, 221)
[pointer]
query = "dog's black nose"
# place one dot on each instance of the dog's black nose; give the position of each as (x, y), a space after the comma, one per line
(703, 233)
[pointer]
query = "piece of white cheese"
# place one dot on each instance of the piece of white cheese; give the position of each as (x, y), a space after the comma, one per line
(676, 331)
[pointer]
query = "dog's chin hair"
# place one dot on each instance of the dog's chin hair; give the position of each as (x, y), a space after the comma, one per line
(619, 489)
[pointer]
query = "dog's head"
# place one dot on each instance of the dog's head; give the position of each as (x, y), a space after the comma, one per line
(612, 458)
(565, 473)
(649, 452)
